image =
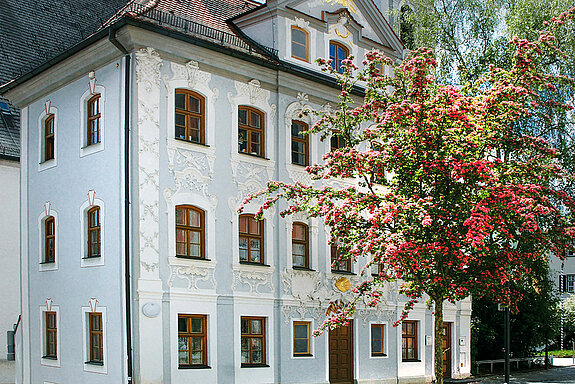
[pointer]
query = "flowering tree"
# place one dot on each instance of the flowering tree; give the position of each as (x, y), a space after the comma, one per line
(450, 198)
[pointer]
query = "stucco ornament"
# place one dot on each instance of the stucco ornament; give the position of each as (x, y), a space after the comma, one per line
(251, 280)
(190, 72)
(148, 64)
(301, 23)
(151, 309)
(193, 274)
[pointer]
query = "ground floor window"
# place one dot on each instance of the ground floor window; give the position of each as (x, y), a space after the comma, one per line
(409, 341)
(96, 335)
(253, 340)
(301, 338)
(192, 341)
(377, 340)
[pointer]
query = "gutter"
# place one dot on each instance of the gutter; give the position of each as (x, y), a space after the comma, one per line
(127, 276)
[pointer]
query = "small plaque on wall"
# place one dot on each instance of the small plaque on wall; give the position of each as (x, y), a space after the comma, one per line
(428, 340)
(462, 341)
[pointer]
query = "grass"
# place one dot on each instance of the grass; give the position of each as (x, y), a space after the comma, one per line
(558, 353)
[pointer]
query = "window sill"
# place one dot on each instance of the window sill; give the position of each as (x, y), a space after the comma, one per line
(298, 268)
(253, 155)
(50, 357)
(411, 361)
(198, 366)
(47, 262)
(342, 272)
(91, 257)
(300, 165)
(303, 355)
(378, 355)
(98, 363)
(192, 258)
(254, 365)
(252, 263)
(191, 142)
(93, 145)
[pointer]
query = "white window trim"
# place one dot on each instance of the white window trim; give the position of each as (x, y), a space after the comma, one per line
(420, 342)
(93, 261)
(385, 339)
(311, 340)
(311, 34)
(47, 164)
(86, 150)
(268, 239)
(44, 361)
(567, 278)
(297, 172)
(42, 267)
(102, 369)
(200, 86)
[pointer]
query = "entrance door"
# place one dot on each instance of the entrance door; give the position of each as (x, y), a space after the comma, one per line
(447, 350)
(341, 354)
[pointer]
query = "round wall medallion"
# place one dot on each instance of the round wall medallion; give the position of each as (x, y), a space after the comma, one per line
(151, 309)
(343, 284)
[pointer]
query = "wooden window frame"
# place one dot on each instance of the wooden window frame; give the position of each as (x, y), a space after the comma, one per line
(47, 332)
(308, 339)
(94, 228)
(294, 42)
(49, 234)
(94, 334)
(336, 255)
(49, 138)
(250, 336)
(249, 236)
(336, 142)
(304, 242)
(337, 59)
(188, 113)
(413, 336)
(188, 228)
(190, 335)
(249, 130)
(382, 341)
(566, 282)
(304, 141)
(91, 118)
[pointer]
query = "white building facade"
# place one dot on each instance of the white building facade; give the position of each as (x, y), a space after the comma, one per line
(138, 148)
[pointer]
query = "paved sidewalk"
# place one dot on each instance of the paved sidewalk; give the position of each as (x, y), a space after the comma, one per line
(561, 375)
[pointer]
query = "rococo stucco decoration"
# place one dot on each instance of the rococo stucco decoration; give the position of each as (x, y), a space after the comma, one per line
(197, 277)
(252, 281)
(148, 65)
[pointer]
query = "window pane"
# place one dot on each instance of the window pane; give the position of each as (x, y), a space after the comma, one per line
(298, 249)
(182, 324)
(194, 104)
(245, 356)
(256, 344)
(376, 346)
(197, 343)
(254, 226)
(300, 346)
(298, 232)
(255, 120)
(182, 343)
(256, 327)
(376, 333)
(254, 244)
(243, 224)
(298, 36)
(245, 326)
(242, 140)
(300, 331)
(183, 357)
(255, 256)
(256, 357)
(180, 120)
(180, 132)
(299, 51)
(197, 357)
(180, 101)
(299, 261)
(180, 216)
(196, 325)
(195, 250)
(195, 218)
(243, 116)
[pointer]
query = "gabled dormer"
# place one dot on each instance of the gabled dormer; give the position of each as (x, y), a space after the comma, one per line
(303, 31)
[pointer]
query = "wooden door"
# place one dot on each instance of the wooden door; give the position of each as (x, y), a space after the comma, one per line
(447, 347)
(341, 354)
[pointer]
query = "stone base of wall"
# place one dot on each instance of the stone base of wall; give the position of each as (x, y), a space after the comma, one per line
(7, 372)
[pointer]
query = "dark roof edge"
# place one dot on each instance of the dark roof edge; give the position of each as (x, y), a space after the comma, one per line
(10, 157)
(61, 57)
(278, 65)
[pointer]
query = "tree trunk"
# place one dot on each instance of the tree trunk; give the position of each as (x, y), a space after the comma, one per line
(438, 303)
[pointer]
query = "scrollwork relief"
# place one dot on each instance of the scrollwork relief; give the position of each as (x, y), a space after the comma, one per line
(194, 275)
(254, 280)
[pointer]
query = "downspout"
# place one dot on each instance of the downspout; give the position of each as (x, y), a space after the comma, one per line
(127, 277)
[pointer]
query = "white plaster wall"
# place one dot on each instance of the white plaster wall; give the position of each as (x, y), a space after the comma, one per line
(9, 249)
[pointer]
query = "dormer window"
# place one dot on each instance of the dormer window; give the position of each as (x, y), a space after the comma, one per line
(337, 52)
(299, 44)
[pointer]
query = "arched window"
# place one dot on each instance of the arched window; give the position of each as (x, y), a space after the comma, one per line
(94, 233)
(49, 240)
(299, 43)
(300, 245)
(49, 137)
(299, 143)
(337, 52)
(251, 239)
(190, 116)
(190, 232)
(251, 130)
(94, 115)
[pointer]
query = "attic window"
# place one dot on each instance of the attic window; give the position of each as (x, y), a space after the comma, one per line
(337, 53)
(5, 108)
(299, 43)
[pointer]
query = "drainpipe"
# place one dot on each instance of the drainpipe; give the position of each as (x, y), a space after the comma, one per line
(127, 277)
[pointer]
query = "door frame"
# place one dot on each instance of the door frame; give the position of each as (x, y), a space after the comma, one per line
(353, 338)
(448, 374)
